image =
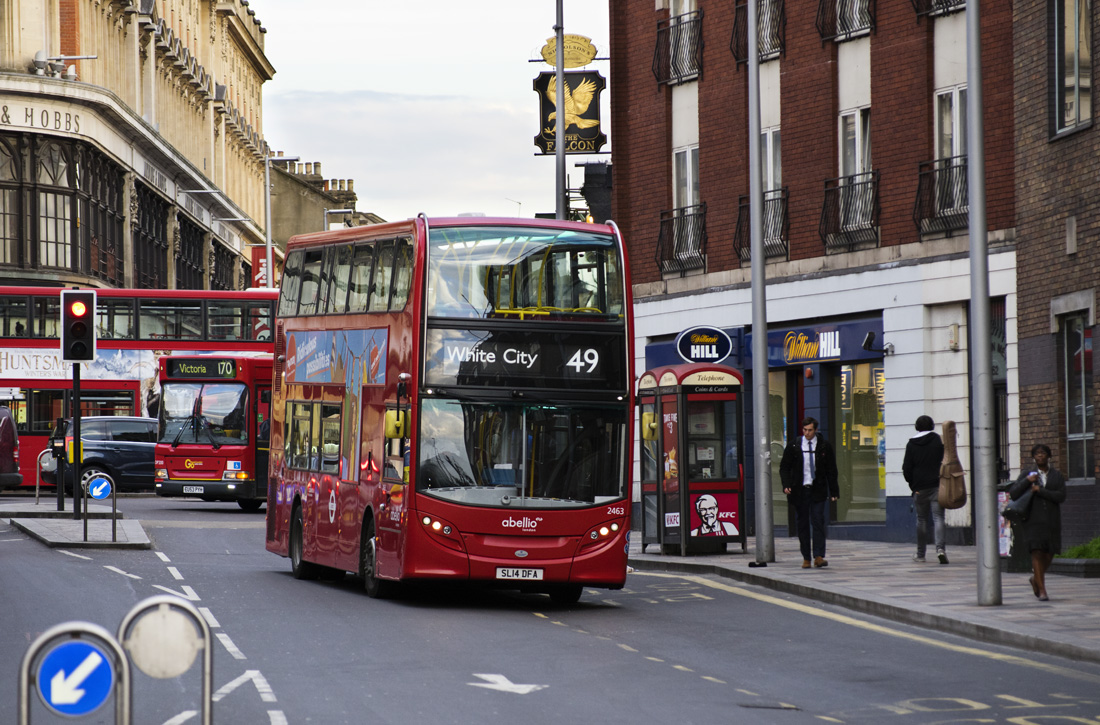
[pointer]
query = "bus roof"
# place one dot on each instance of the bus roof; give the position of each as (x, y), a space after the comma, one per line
(407, 226)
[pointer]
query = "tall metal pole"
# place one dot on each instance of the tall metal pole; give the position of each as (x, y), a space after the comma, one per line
(981, 355)
(267, 222)
(559, 107)
(765, 538)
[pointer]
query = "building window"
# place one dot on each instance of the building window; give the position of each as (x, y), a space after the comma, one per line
(1072, 50)
(855, 164)
(1076, 349)
(685, 170)
(771, 23)
(221, 276)
(10, 207)
(55, 207)
(151, 240)
(951, 186)
(101, 194)
(189, 270)
(771, 166)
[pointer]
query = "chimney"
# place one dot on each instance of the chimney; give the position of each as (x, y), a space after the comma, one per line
(317, 167)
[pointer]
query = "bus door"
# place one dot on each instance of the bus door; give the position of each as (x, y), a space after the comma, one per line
(263, 437)
(324, 466)
(387, 495)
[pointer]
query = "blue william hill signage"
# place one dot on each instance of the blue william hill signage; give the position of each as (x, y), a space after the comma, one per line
(704, 345)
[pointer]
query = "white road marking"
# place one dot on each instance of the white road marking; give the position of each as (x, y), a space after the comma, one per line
(182, 717)
(502, 683)
(175, 573)
(277, 717)
(188, 593)
(116, 570)
(209, 617)
(75, 556)
(229, 646)
(163, 557)
(249, 675)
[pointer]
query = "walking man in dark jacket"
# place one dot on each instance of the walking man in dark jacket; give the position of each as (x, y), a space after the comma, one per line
(809, 475)
(921, 468)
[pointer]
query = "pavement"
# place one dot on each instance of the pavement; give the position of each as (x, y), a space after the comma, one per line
(882, 579)
(42, 521)
(871, 577)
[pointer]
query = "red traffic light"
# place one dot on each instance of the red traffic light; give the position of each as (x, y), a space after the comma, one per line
(79, 309)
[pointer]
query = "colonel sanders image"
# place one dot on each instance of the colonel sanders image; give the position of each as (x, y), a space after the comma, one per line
(707, 508)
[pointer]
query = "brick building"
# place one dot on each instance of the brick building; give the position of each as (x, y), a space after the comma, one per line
(865, 219)
(1057, 216)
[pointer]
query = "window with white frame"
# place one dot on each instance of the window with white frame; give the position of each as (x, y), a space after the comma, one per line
(683, 38)
(771, 168)
(1076, 353)
(685, 172)
(1072, 62)
(855, 142)
(951, 168)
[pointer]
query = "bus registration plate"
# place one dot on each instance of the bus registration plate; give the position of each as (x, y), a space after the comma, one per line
(507, 572)
(192, 489)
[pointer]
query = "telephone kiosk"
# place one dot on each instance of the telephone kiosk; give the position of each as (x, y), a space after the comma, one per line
(692, 488)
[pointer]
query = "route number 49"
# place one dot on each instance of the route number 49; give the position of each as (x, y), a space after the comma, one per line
(589, 357)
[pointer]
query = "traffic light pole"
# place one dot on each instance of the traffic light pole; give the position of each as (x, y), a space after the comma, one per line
(78, 445)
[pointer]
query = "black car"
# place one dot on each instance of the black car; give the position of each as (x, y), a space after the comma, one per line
(118, 447)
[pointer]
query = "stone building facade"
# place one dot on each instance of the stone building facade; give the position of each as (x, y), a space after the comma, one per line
(865, 220)
(131, 142)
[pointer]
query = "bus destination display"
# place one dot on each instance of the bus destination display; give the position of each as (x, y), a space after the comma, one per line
(479, 358)
(202, 367)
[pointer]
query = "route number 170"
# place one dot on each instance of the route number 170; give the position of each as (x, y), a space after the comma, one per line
(581, 358)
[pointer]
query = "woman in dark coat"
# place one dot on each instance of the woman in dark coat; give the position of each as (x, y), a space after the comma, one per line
(1041, 533)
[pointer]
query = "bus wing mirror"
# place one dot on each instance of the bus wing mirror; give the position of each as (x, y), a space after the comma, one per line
(395, 423)
(649, 427)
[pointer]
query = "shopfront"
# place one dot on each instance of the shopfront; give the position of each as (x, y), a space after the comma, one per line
(824, 371)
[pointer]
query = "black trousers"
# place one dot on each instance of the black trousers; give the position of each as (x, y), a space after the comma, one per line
(812, 519)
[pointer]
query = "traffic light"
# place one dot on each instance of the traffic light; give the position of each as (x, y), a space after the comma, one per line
(77, 325)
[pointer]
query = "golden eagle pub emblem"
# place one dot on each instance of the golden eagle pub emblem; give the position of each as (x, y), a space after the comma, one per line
(581, 108)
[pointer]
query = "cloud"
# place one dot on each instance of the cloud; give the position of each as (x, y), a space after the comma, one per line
(440, 154)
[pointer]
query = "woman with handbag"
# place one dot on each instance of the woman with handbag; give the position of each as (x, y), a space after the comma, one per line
(1041, 532)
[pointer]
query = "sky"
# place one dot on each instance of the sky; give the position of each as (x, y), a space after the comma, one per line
(427, 105)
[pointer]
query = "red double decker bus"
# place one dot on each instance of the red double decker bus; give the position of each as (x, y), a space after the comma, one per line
(213, 428)
(134, 327)
(453, 401)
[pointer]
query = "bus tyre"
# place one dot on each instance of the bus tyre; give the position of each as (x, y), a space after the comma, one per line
(250, 505)
(300, 568)
(368, 566)
(566, 594)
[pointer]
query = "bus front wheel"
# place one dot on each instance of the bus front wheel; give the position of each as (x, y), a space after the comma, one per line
(300, 568)
(368, 567)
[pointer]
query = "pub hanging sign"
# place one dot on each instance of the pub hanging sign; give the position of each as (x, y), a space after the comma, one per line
(582, 112)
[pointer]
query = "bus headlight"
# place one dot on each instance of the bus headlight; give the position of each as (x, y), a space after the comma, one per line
(161, 474)
(442, 532)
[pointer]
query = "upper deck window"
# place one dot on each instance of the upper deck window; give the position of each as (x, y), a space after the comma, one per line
(523, 273)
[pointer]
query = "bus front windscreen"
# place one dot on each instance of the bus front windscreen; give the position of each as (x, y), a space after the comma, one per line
(527, 273)
(521, 456)
(211, 414)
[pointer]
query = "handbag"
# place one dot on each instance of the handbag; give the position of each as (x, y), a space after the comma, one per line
(1017, 510)
(952, 493)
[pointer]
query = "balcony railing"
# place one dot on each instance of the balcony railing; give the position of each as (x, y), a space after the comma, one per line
(938, 7)
(943, 203)
(771, 22)
(849, 217)
(682, 243)
(776, 226)
(844, 19)
(678, 57)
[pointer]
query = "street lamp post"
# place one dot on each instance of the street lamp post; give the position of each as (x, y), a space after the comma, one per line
(270, 275)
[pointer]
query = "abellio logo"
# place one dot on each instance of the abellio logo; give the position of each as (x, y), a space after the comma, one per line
(526, 523)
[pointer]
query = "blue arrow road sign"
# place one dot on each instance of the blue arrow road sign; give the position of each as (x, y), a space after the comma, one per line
(99, 488)
(75, 678)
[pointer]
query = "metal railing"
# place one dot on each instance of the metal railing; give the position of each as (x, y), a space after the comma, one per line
(776, 226)
(943, 202)
(938, 7)
(844, 19)
(850, 214)
(771, 22)
(682, 242)
(678, 57)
